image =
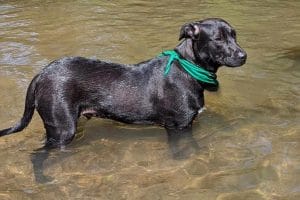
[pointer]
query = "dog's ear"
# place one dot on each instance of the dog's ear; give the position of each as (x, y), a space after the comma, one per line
(191, 30)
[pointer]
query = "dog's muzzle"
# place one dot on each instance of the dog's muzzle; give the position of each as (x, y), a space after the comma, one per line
(238, 59)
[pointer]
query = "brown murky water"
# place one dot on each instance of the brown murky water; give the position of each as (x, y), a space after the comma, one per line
(248, 136)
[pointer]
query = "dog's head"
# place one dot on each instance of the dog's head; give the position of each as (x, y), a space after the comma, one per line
(214, 43)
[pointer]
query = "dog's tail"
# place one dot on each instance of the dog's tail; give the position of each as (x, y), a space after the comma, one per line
(28, 111)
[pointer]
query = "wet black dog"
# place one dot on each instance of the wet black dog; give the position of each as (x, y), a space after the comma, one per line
(138, 94)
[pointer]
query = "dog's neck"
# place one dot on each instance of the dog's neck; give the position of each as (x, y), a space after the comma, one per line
(187, 48)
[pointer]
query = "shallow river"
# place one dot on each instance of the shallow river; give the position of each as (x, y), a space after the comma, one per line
(249, 134)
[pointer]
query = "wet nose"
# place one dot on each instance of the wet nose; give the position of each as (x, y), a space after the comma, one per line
(242, 55)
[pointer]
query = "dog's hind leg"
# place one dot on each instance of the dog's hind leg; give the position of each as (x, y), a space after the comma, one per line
(60, 123)
(59, 136)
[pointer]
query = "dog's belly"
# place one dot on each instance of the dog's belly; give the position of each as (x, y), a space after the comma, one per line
(123, 113)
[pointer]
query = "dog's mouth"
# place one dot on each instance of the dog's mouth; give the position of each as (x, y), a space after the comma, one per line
(235, 58)
(234, 62)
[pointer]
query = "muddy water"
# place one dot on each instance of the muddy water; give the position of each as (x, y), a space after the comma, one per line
(248, 137)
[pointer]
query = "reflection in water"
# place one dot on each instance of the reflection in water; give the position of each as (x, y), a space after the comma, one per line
(244, 146)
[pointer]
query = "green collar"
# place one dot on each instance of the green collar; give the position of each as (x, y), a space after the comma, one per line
(196, 71)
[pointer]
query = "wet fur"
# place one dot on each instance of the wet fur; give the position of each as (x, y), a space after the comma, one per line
(136, 94)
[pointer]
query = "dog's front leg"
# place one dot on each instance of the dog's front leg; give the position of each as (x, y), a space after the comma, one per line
(182, 143)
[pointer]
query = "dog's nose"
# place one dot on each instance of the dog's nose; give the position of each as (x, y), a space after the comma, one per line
(242, 55)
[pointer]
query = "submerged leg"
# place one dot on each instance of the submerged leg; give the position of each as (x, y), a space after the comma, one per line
(60, 123)
(182, 143)
(60, 128)
(37, 159)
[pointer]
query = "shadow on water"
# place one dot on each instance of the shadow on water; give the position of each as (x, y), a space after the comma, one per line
(181, 144)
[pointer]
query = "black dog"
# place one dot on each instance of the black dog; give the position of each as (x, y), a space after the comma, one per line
(138, 94)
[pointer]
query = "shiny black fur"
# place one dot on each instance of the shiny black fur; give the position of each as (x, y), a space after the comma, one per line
(138, 94)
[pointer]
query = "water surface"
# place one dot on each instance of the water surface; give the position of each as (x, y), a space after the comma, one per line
(248, 136)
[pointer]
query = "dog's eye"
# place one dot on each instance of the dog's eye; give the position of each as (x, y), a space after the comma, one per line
(233, 34)
(221, 36)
